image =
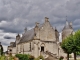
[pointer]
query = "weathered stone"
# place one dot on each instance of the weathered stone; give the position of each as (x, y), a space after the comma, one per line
(40, 39)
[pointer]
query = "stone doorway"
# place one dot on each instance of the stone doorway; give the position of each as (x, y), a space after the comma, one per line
(42, 48)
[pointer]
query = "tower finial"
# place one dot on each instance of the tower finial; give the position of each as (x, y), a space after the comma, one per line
(66, 21)
(37, 24)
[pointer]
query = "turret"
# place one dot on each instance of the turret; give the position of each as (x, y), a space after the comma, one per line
(17, 39)
(37, 24)
(46, 19)
(67, 30)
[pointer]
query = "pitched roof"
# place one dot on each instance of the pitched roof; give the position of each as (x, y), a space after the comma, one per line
(28, 35)
(14, 45)
(67, 26)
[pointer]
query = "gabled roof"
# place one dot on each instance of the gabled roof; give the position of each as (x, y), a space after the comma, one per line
(27, 36)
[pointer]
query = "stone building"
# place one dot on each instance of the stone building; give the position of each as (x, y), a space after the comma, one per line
(41, 40)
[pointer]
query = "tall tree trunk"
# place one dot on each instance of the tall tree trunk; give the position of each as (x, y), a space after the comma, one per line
(75, 56)
(67, 56)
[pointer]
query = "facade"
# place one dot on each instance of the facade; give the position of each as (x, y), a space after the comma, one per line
(41, 40)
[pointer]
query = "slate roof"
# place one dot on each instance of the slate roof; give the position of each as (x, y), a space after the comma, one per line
(28, 35)
(67, 26)
(14, 45)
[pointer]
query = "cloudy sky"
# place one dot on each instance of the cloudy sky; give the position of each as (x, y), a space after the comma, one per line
(15, 15)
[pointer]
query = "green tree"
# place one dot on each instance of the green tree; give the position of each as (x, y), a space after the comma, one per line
(76, 47)
(72, 44)
(1, 50)
(67, 45)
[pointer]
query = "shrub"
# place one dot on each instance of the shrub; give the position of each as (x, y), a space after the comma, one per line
(31, 58)
(61, 58)
(40, 57)
(22, 56)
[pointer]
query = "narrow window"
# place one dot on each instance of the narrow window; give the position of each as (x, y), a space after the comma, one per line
(30, 46)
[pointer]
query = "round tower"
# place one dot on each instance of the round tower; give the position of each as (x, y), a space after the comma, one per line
(67, 30)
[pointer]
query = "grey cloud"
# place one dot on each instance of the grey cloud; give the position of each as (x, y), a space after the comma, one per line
(15, 13)
(34, 11)
(9, 37)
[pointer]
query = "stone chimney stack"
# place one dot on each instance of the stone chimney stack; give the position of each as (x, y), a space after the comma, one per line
(46, 19)
(37, 24)
(18, 37)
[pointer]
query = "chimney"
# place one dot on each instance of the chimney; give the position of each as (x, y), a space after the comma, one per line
(66, 21)
(37, 24)
(46, 19)
(18, 37)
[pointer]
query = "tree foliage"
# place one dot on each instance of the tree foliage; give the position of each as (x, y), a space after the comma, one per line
(1, 50)
(77, 43)
(71, 44)
(67, 45)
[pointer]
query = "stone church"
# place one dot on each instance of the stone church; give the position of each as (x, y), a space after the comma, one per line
(43, 40)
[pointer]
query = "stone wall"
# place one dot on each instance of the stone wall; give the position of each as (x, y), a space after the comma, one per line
(14, 50)
(47, 33)
(66, 33)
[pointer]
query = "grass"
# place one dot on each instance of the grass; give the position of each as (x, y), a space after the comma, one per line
(5, 58)
(2, 57)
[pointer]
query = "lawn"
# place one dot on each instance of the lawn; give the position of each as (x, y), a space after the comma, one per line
(2, 58)
(5, 58)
